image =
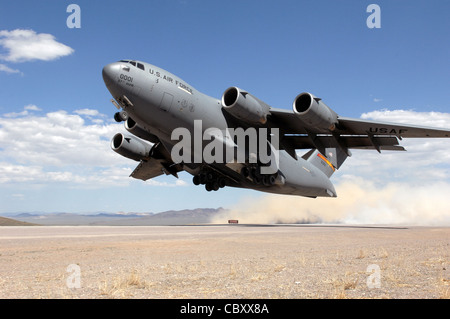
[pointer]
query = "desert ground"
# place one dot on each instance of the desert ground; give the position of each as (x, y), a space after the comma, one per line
(224, 261)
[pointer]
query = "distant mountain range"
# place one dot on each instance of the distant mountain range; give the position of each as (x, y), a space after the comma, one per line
(13, 222)
(172, 217)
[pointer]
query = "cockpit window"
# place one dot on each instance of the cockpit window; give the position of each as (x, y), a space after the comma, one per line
(134, 63)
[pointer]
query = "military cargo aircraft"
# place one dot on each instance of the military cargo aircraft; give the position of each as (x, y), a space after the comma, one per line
(238, 140)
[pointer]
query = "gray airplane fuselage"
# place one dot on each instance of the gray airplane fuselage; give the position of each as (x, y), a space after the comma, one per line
(160, 102)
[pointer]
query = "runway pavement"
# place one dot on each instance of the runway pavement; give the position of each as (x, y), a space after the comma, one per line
(225, 261)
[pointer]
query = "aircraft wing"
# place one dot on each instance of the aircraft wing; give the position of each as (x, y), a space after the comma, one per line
(349, 134)
(360, 127)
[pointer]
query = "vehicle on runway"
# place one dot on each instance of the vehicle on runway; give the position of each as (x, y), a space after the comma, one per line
(238, 140)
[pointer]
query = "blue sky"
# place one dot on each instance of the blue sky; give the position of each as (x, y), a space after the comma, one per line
(56, 118)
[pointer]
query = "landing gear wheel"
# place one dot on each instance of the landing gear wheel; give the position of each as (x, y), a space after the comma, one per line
(268, 180)
(245, 171)
(120, 116)
(222, 182)
(211, 180)
(196, 180)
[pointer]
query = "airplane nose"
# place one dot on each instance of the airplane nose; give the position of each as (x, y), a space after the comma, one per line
(110, 73)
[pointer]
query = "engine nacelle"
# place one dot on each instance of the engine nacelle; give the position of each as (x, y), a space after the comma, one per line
(130, 147)
(314, 113)
(132, 127)
(245, 106)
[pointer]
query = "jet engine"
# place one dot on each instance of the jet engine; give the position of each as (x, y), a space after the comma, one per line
(130, 147)
(244, 106)
(132, 127)
(314, 113)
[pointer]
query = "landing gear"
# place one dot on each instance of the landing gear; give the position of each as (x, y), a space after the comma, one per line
(254, 173)
(211, 181)
(120, 116)
(269, 180)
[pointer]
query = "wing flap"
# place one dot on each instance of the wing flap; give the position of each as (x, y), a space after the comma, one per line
(148, 169)
(351, 142)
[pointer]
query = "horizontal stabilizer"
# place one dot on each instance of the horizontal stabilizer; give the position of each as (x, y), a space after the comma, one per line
(320, 161)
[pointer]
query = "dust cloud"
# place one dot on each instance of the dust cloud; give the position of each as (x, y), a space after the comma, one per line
(358, 202)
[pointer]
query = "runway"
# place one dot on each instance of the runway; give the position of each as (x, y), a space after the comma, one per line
(225, 261)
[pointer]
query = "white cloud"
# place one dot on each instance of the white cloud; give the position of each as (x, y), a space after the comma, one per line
(88, 177)
(432, 119)
(32, 107)
(26, 109)
(27, 45)
(18, 173)
(62, 147)
(59, 147)
(56, 139)
(16, 114)
(7, 69)
(93, 115)
(88, 112)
